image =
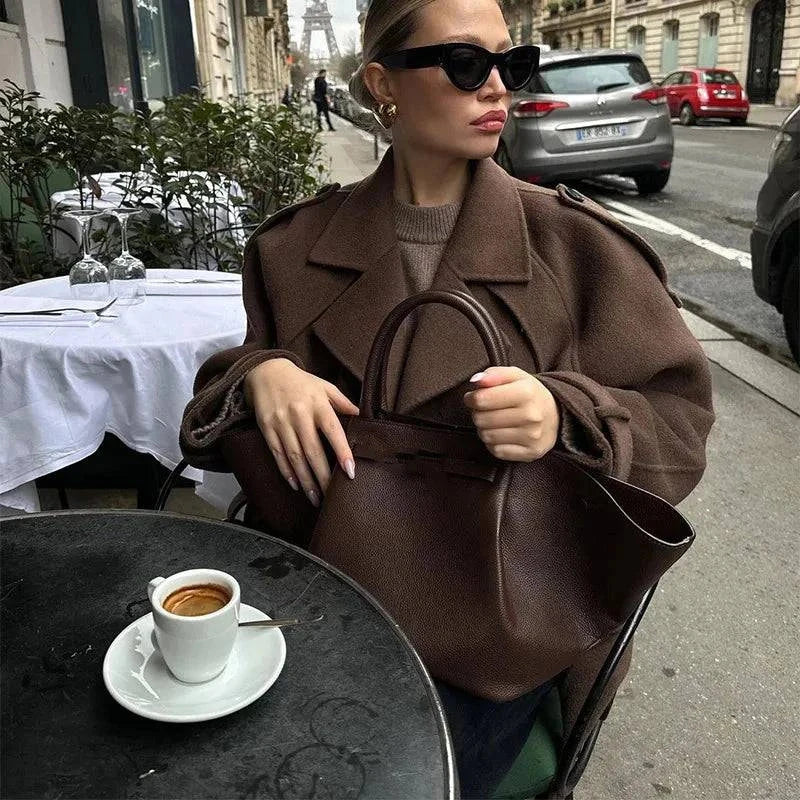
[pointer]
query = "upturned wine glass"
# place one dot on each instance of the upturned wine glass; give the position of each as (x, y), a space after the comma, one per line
(127, 272)
(88, 278)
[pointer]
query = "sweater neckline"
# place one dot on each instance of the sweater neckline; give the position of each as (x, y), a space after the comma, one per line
(425, 224)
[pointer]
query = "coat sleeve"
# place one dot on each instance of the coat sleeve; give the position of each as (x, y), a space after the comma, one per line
(637, 404)
(218, 404)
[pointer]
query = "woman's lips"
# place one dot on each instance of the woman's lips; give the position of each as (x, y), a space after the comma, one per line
(492, 122)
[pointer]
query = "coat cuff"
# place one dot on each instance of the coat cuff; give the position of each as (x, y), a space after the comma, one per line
(219, 407)
(594, 428)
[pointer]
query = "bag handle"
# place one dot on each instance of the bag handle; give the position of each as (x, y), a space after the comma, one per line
(373, 396)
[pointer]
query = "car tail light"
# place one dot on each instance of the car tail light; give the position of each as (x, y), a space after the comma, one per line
(656, 97)
(536, 108)
(702, 94)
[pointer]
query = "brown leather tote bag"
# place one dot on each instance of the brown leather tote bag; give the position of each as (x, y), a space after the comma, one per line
(499, 572)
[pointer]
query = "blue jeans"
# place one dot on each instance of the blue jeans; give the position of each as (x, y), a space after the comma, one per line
(487, 736)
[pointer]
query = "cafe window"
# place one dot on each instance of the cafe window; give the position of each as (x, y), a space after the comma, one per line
(636, 37)
(669, 46)
(709, 38)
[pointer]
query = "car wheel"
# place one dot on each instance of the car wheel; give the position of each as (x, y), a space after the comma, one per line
(651, 182)
(791, 310)
(503, 159)
(687, 116)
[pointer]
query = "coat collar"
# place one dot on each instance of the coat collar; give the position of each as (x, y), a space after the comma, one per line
(489, 244)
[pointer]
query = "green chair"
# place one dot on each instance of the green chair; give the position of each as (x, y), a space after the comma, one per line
(57, 179)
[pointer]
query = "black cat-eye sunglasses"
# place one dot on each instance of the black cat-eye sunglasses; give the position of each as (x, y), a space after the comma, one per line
(468, 66)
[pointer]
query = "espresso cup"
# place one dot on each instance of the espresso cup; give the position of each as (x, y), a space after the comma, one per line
(196, 618)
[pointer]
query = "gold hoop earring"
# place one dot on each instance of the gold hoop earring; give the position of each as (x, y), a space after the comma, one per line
(387, 114)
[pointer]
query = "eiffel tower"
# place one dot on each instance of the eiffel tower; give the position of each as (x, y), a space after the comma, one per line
(318, 18)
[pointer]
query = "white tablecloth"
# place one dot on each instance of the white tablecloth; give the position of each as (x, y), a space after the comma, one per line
(63, 389)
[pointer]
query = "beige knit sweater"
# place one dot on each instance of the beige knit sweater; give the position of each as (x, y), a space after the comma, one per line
(422, 234)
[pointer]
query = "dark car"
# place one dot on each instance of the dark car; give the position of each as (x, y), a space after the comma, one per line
(775, 240)
(694, 94)
(585, 113)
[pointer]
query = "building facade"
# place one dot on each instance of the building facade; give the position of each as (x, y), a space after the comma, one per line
(133, 53)
(758, 39)
(242, 47)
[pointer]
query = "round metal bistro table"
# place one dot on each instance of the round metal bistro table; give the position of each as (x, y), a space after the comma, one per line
(353, 714)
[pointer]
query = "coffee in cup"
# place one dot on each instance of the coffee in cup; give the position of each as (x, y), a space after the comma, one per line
(194, 601)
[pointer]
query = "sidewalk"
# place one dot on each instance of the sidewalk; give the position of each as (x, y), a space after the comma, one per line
(709, 708)
(767, 116)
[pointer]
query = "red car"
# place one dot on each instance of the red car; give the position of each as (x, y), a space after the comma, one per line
(694, 94)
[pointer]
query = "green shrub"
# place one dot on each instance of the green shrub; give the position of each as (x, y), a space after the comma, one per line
(272, 153)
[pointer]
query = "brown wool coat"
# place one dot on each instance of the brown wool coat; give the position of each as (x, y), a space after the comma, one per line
(580, 299)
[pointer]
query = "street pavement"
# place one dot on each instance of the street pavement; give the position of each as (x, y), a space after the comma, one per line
(710, 708)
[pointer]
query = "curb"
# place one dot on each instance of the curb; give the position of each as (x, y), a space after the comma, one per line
(699, 307)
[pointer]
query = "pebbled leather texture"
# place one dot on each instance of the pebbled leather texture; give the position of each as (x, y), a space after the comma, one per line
(501, 573)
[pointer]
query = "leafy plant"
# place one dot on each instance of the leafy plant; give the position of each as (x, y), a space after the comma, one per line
(207, 173)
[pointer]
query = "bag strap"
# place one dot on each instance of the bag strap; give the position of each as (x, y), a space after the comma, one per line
(373, 395)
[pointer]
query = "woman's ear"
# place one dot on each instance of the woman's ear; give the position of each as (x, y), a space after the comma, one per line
(376, 79)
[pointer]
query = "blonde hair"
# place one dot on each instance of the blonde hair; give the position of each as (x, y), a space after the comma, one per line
(388, 26)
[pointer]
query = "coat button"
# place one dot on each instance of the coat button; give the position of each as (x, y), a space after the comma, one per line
(574, 194)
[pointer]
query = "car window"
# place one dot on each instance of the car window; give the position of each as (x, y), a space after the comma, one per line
(590, 75)
(687, 78)
(672, 80)
(719, 76)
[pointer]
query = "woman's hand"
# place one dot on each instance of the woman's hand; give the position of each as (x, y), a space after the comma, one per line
(516, 415)
(291, 407)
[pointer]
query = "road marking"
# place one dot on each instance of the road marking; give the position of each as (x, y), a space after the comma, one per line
(633, 216)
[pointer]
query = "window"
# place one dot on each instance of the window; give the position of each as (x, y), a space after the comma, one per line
(669, 46)
(719, 76)
(672, 80)
(636, 36)
(579, 43)
(587, 75)
(569, 41)
(3, 12)
(597, 38)
(709, 36)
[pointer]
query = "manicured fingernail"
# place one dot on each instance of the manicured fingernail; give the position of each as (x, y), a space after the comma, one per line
(478, 376)
(312, 496)
(293, 483)
(350, 468)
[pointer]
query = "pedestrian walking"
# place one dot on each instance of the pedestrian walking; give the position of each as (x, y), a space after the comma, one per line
(287, 98)
(605, 370)
(321, 99)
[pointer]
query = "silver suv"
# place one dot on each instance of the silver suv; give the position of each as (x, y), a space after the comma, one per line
(589, 112)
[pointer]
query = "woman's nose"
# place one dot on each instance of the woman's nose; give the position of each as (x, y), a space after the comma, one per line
(494, 86)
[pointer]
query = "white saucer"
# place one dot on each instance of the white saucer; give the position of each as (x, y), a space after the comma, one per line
(135, 674)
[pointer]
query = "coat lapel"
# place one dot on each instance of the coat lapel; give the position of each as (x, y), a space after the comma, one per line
(489, 244)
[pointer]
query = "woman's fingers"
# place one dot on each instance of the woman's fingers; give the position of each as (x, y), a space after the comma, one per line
(331, 427)
(339, 400)
(276, 448)
(306, 429)
(504, 418)
(295, 453)
(495, 398)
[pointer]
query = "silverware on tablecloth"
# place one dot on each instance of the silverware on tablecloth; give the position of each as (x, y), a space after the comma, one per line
(278, 623)
(56, 312)
(195, 280)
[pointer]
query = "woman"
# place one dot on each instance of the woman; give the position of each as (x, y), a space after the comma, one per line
(604, 369)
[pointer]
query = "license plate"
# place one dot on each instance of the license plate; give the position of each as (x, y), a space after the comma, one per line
(601, 132)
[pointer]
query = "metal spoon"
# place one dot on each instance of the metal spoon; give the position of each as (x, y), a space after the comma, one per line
(278, 623)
